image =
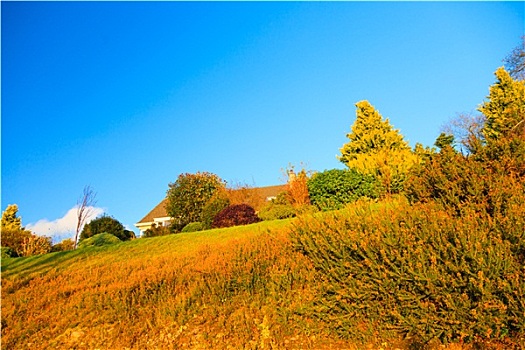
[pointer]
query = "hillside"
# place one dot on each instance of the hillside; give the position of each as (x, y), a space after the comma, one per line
(385, 275)
(242, 287)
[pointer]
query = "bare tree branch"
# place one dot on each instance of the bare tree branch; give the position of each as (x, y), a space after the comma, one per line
(85, 208)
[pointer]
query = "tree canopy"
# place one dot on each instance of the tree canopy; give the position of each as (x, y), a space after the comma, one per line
(505, 107)
(188, 196)
(10, 220)
(376, 148)
(106, 224)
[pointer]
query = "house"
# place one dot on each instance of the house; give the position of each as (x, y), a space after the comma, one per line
(158, 216)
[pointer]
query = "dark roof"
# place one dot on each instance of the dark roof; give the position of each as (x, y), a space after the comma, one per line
(160, 210)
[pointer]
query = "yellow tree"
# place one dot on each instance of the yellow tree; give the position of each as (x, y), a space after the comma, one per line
(20, 241)
(505, 108)
(376, 148)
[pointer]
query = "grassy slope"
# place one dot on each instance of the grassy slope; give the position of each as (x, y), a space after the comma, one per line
(243, 287)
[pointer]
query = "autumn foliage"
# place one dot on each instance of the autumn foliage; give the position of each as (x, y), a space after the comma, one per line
(235, 215)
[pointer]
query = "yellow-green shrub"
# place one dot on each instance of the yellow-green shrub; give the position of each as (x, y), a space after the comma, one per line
(418, 271)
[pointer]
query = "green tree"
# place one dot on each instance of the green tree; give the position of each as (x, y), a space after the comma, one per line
(333, 189)
(444, 140)
(156, 230)
(376, 148)
(188, 196)
(214, 206)
(106, 224)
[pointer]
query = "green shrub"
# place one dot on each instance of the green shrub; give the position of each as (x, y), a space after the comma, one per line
(99, 240)
(66, 244)
(216, 204)
(277, 211)
(234, 215)
(8, 253)
(194, 227)
(106, 224)
(419, 272)
(157, 230)
(333, 189)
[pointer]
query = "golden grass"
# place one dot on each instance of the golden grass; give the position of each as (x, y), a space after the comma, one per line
(237, 288)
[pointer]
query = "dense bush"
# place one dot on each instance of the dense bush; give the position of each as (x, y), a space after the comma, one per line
(463, 183)
(418, 271)
(277, 212)
(25, 243)
(333, 189)
(216, 204)
(156, 230)
(234, 215)
(21, 242)
(278, 208)
(194, 227)
(106, 224)
(188, 196)
(7, 252)
(66, 244)
(99, 240)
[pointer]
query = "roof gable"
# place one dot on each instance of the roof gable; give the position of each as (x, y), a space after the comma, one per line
(158, 212)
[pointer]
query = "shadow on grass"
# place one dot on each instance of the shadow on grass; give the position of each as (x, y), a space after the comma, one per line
(42, 263)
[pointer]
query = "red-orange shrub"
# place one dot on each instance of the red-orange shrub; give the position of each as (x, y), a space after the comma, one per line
(234, 215)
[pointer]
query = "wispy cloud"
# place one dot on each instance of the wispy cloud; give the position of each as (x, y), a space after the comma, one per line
(62, 228)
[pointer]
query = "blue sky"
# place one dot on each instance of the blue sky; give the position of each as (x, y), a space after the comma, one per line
(125, 96)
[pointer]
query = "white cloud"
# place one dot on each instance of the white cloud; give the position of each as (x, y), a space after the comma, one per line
(62, 228)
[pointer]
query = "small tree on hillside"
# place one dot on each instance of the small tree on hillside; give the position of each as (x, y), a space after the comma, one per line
(85, 207)
(234, 215)
(377, 148)
(10, 220)
(296, 188)
(466, 130)
(504, 109)
(188, 196)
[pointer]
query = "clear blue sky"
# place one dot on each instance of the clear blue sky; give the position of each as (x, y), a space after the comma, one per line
(125, 96)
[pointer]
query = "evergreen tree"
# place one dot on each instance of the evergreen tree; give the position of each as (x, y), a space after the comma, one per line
(10, 221)
(377, 148)
(505, 108)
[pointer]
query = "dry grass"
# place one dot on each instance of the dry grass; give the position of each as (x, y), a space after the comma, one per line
(238, 288)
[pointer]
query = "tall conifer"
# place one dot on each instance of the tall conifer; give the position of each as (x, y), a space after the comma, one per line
(375, 147)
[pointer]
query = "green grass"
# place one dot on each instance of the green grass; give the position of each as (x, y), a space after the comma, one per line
(182, 243)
